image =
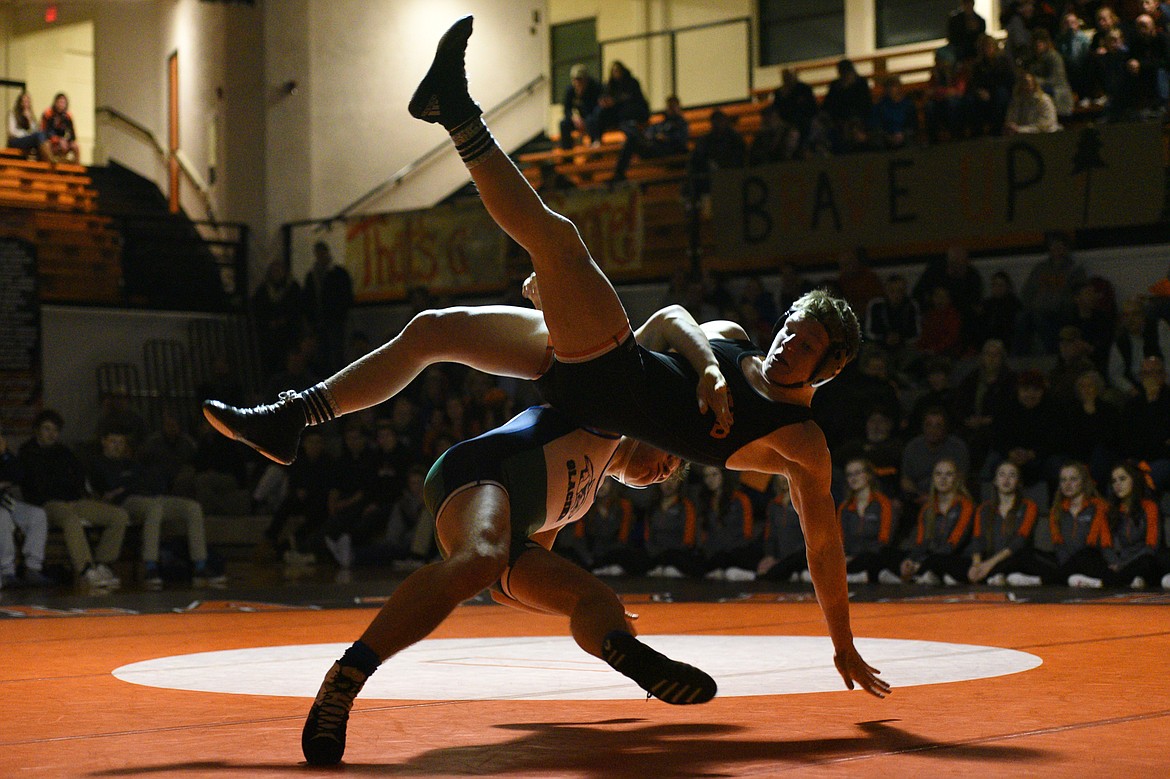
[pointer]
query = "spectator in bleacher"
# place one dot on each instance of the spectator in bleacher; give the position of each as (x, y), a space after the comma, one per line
(1115, 75)
(672, 533)
(784, 555)
(57, 125)
(934, 444)
(1158, 11)
(848, 106)
(16, 514)
(760, 297)
(1047, 66)
(940, 553)
(965, 285)
(276, 315)
(407, 534)
(1092, 321)
(880, 448)
(964, 27)
(621, 101)
(942, 326)
(943, 101)
(1075, 46)
(580, 102)
(794, 104)
(1106, 21)
(1090, 427)
(658, 139)
(1017, 20)
(169, 452)
(1004, 523)
(117, 413)
(856, 281)
(776, 141)
(354, 518)
(894, 120)
(54, 479)
(1031, 110)
(1000, 316)
(24, 132)
(873, 385)
(989, 88)
(982, 397)
(219, 474)
(1140, 336)
(792, 286)
(723, 148)
(1048, 294)
(1131, 556)
(307, 498)
(1028, 433)
(1079, 524)
(1149, 52)
(893, 322)
(328, 297)
(1145, 422)
(121, 481)
(1073, 358)
(731, 534)
(938, 393)
(869, 521)
(608, 531)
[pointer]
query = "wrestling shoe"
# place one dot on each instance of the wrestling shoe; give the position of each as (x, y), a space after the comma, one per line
(442, 96)
(323, 737)
(273, 430)
(668, 680)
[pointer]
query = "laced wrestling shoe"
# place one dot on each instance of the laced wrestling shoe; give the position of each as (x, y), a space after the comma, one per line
(668, 680)
(323, 737)
(273, 430)
(442, 96)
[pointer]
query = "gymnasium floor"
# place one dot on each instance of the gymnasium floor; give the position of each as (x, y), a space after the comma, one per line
(988, 683)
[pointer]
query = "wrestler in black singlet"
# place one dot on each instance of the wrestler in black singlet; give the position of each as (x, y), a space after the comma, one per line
(651, 396)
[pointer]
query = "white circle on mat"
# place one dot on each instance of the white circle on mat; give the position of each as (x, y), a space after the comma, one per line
(555, 668)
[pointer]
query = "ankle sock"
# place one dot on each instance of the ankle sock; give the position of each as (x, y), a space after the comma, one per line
(474, 141)
(360, 656)
(320, 407)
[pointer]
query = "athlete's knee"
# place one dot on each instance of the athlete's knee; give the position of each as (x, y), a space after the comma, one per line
(441, 324)
(478, 567)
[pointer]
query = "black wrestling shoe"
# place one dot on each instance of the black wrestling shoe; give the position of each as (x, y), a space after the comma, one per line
(273, 430)
(442, 96)
(323, 737)
(668, 680)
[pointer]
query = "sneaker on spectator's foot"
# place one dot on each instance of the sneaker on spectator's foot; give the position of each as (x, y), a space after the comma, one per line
(442, 97)
(950, 581)
(209, 580)
(1166, 582)
(806, 576)
(929, 579)
(861, 577)
(273, 430)
(92, 579)
(323, 737)
(152, 580)
(1081, 580)
(996, 580)
(342, 549)
(671, 572)
(1138, 583)
(1018, 579)
(655, 571)
(886, 576)
(736, 574)
(715, 574)
(107, 576)
(668, 680)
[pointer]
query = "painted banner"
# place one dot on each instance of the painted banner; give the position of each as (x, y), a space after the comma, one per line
(458, 249)
(20, 339)
(1101, 176)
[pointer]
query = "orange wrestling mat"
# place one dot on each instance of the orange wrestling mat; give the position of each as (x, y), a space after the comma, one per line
(988, 689)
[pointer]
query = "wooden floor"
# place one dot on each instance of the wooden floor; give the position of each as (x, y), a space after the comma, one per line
(1097, 705)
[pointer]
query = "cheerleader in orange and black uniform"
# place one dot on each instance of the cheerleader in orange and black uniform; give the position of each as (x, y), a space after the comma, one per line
(1133, 526)
(1079, 524)
(1003, 530)
(868, 520)
(944, 531)
(784, 557)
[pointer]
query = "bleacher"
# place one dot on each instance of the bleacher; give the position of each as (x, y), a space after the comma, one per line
(55, 209)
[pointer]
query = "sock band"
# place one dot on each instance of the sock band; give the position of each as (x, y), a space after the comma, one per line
(360, 656)
(474, 141)
(320, 407)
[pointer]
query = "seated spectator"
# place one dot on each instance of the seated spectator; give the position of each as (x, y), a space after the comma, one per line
(1000, 318)
(982, 397)
(894, 120)
(608, 533)
(407, 537)
(989, 88)
(53, 478)
(24, 132)
(945, 521)
(621, 101)
(307, 498)
(120, 481)
(354, 519)
(1028, 433)
(1139, 337)
(1145, 422)
(776, 141)
(219, 474)
(660, 139)
(794, 105)
(1117, 83)
(784, 555)
(1017, 20)
(671, 535)
(580, 102)
(1072, 361)
(761, 299)
(1030, 110)
(1048, 67)
(731, 536)
(117, 413)
(57, 125)
(1079, 525)
(943, 106)
(1048, 293)
(868, 527)
(1074, 44)
(880, 448)
(169, 453)
(1106, 21)
(856, 281)
(924, 451)
(942, 326)
(964, 27)
(1130, 555)
(847, 108)
(15, 514)
(1149, 52)
(893, 322)
(722, 148)
(1002, 542)
(964, 283)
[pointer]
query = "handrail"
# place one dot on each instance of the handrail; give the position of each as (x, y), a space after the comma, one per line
(406, 170)
(193, 178)
(14, 83)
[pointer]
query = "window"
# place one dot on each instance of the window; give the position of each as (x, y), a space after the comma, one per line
(573, 42)
(800, 30)
(911, 21)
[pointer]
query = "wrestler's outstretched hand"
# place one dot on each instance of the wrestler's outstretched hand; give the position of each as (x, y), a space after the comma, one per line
(714, 396)
(853, 669)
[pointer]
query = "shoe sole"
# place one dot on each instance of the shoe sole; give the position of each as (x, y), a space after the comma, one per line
(459, 31)
(209, 413)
